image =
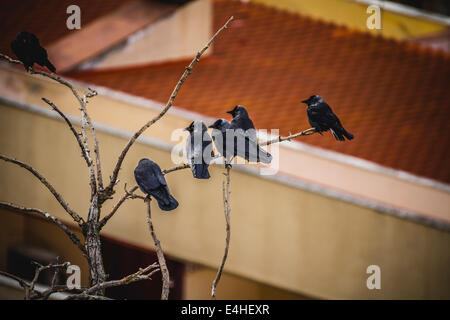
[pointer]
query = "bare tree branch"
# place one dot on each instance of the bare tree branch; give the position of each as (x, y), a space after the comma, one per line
(24, 284)
(127, 195)
(82, 101)
(142, 274)
(180, 167)
(30, 292)
(160, 254)
(92, 180)
(62, 226)
(39, 268)
(90, 94)
(58, 197)
(47, 293)
(290, 137)
(186, 73)
(75, 133)
(227, 209)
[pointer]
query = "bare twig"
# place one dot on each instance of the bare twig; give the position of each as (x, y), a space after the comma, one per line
(46, 294)
(290, 137)
(175, 91)
(128, 195)
(160, 254)
(85, 116)
(227, 209)
(31, 293)
(90, 94)
(24, 284)
(48, 216)
(142, 274)
(180, 167)
(58, 197)
(75, 133)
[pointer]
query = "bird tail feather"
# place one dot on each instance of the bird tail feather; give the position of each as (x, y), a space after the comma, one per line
(337, 135)
(171, 205)
(348, 135)
(264, 156)
(50, 66)
(200, 171)
(165, 200)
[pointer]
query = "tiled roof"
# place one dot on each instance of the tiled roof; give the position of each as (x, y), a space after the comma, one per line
(47, 18)
(95, 38)
(394, 97)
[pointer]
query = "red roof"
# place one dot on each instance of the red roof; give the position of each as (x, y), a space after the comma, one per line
(393, 96)
(47, 19)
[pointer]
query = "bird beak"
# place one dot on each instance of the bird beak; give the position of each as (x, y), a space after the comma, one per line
(230, 112)
(186, 129)
(305, 101)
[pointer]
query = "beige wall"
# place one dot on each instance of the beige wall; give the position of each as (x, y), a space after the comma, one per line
(282, 236)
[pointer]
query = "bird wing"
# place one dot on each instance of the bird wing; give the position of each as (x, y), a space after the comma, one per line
(148, 177)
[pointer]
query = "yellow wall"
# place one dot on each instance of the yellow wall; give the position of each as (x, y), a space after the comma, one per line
(353, 15)
(282, 236)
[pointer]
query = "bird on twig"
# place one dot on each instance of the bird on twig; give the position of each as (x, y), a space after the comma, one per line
(28, 50)
(234, 142)
(241, 120)
(151, 181)
(322, 118)
(196, 144)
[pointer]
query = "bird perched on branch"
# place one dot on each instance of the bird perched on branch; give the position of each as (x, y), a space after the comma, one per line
(322, 118)
(234, 142)
(241, 120)
(151, 181)
(27, 48)
(196, 144)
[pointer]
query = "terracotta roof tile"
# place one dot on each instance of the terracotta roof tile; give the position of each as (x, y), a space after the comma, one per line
(113, 28)
(47, 18)
(393, 96)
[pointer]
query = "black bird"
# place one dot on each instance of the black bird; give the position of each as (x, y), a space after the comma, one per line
(151, 181)
(196, 144)
(322, 118)
(27, 48)
(241, 120)
(226, 139)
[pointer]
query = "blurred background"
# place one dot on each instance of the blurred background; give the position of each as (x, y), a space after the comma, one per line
(308, 232)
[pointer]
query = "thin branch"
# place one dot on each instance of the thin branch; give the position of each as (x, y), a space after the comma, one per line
(160, 254)
(62, 226)
(82, 101)
(4, 56)
(39, 268)
(24, 284)
(180, 167)
(90, 94)
(142, 274)
(45, 295)
(127, 195)
(92, 180)
(75, 133)
(58, 197)
(290, 137)
(227, 209)
(175, 91)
